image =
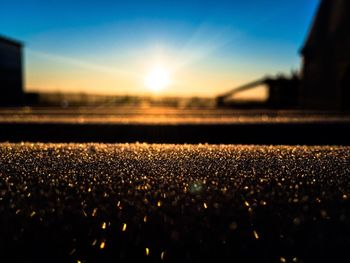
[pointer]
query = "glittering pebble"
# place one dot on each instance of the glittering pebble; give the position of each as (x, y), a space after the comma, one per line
(233, 226)
(102, 245)
(256, 234)
(94, 242)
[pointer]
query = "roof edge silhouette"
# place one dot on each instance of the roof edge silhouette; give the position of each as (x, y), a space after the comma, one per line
(11, 41)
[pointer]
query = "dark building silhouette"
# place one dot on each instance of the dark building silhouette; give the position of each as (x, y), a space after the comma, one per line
(326, 58)
(325, 76)
(11, 74)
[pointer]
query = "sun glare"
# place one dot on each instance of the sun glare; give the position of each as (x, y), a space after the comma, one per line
(157, 79)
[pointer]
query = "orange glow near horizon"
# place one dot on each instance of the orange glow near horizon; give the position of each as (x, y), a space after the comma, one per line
(160, 73)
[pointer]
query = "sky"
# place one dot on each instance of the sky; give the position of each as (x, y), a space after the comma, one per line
(196, 47)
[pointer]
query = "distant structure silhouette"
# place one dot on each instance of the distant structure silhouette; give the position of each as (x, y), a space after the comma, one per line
(324, 82)
(282, 93)
(11, 75)
(326, 58)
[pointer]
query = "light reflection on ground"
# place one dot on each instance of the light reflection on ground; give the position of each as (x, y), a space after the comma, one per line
(173, 203)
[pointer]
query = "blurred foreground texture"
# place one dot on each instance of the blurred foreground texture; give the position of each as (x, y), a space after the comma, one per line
(173, 203)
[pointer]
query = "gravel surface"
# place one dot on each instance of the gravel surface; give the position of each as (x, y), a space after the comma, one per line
(173, 203)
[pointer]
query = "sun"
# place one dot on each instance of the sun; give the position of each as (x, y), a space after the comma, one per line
(157, 79)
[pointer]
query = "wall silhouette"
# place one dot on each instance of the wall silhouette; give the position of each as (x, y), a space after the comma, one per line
(326, 58)
(11, 75)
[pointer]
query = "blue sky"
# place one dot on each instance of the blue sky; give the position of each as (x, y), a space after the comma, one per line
(109, 46)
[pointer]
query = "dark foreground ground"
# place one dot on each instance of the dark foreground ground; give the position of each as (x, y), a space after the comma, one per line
(173, 203)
